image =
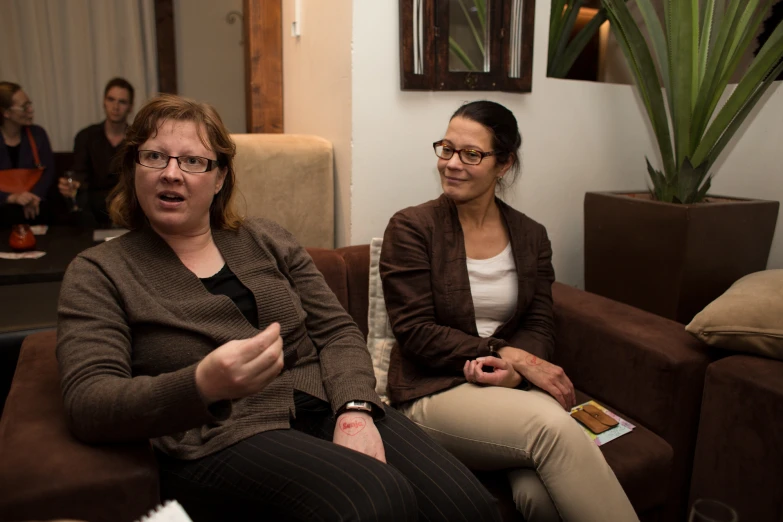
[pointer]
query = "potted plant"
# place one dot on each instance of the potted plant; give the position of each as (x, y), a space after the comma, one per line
(674, 249)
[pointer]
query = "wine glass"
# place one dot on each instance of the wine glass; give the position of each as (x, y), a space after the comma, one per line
(709, 510)
(73, 207)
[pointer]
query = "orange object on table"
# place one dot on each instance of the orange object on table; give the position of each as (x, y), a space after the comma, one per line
(22, 238)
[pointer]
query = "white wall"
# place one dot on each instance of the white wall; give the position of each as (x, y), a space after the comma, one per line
(210, 57)
(577, 137)
(317, 89)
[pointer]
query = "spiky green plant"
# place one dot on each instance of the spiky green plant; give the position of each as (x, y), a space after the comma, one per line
(697, 50)
(563, 50)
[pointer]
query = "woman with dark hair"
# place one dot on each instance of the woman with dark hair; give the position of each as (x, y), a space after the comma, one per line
(467, 282)
(26, 158)
(219, 340)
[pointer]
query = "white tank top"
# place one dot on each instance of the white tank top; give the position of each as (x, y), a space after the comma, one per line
(493, 285)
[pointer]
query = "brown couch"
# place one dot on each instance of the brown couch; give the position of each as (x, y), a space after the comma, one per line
(644, 367)
(738, 452)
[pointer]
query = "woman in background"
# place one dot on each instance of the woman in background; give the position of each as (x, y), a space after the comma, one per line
(25, 153)
(468, 287)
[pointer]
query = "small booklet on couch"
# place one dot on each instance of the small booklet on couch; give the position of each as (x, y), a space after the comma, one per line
(607, 425)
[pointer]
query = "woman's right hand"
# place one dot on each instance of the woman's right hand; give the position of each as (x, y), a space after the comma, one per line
(242, 367)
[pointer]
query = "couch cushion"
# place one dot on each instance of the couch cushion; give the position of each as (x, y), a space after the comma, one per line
(747, 317)
(380, 339)
(45, 472)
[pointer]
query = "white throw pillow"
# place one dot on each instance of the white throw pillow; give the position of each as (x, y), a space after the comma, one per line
(380, 339)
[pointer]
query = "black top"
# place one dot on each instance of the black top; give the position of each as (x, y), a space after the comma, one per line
(228, 284)
(92, 161)
(13, 154)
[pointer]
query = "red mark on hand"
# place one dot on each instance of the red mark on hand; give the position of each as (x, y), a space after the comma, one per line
(532, 360)
(352, 425)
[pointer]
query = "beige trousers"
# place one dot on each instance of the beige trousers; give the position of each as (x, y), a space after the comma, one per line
(556, 471)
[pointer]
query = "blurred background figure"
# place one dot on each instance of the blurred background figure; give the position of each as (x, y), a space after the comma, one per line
(26, 160)
(92, 177)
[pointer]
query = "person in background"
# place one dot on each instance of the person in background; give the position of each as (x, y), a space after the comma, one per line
(217, 338)
(25, 153)
(467, 282)
(93, 150)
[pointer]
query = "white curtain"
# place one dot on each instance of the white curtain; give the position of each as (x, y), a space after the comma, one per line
(62, 53)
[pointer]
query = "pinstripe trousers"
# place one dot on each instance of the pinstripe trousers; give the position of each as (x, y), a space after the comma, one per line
(299, 474)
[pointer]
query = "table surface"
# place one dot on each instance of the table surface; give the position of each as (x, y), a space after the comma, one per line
(61, 245)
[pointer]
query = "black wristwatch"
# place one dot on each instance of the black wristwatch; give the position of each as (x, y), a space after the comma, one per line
(357, 406)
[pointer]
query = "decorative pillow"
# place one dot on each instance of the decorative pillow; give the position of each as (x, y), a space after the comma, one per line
(748, 317)
(380, 339)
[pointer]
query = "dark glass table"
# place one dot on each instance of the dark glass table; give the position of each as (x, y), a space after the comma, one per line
(30, 288)
(61, 245)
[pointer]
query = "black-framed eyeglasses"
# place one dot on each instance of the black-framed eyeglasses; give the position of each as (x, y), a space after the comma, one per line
(191, 164)
(467, 156)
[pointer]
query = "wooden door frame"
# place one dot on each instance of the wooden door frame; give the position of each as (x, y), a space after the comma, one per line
(263, 30)
(263, 20)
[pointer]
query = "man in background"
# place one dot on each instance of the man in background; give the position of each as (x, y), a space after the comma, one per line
(92, 177)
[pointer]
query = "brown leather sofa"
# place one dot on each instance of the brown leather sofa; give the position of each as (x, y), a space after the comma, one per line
(644, 367)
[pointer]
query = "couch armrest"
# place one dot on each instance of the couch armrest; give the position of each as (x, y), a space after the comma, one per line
(638, 363)
(45, 473)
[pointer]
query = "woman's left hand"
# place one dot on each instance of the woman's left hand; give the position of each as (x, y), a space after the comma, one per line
(503, 375)
(357, 431)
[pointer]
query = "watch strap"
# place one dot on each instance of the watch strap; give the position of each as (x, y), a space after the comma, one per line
(358, 406)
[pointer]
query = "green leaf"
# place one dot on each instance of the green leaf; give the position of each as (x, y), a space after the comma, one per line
(481, 12)
(709, 92)
(655, 30)
(460, 53)
(563, 62)
(681, 70)
(708, 14)
(658, 183)
(756, 77)
(479, 39)
(555, 27)
(568, 26)
(749, 31)
(689, 180)
(642, 66)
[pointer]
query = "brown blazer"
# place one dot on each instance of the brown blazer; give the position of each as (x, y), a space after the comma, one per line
(423, 267)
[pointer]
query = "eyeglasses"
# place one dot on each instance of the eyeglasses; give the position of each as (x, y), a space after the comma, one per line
(191, 164)
(467, 156)
(24, 107)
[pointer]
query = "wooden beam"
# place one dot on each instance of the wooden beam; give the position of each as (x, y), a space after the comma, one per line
(167, 48)
(263, 21)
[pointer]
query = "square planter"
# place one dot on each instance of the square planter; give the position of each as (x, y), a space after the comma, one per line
(673, 260)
